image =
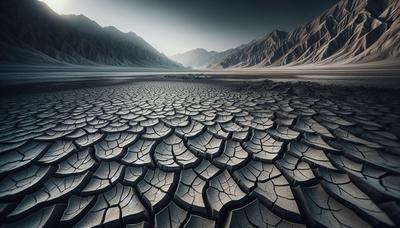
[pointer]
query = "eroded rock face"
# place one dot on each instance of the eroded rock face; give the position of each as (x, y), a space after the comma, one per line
(172, 154)
(352, 31)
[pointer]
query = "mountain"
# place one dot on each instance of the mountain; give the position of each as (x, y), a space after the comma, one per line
(31, 33)
(352, 31)
(201, 58)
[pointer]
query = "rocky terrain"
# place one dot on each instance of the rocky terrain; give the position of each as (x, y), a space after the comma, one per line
(352, 31)
(201, 154)
(31, 33)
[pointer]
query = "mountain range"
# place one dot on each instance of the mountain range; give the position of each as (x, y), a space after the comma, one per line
(31, 33)
(352, 31)
(201, 58)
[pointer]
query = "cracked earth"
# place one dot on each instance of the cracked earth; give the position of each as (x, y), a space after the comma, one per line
(190, 154)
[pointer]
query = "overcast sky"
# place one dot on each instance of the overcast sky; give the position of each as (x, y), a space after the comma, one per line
(176, 26)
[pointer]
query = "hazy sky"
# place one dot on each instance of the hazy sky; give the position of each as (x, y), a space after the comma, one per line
(175, 26)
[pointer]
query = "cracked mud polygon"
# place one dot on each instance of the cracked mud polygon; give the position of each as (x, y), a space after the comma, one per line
(194, 154)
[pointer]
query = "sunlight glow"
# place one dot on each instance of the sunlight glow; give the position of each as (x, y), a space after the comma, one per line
(59, 6)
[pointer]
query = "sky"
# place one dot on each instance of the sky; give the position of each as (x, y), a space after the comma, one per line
(176, 26)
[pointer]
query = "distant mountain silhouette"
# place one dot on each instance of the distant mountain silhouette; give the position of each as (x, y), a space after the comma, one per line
(201, 58)
(31, 33)
(352, 31)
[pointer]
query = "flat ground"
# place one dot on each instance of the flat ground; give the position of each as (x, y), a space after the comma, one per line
(191, 151)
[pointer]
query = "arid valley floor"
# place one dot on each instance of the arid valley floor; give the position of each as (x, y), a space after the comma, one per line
(191, 152)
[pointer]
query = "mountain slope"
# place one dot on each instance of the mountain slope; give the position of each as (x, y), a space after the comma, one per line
(200, 58)
(352, 31)
(33, 34)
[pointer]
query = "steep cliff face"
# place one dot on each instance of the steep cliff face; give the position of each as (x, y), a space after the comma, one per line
(33, 34)
(352, 31)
